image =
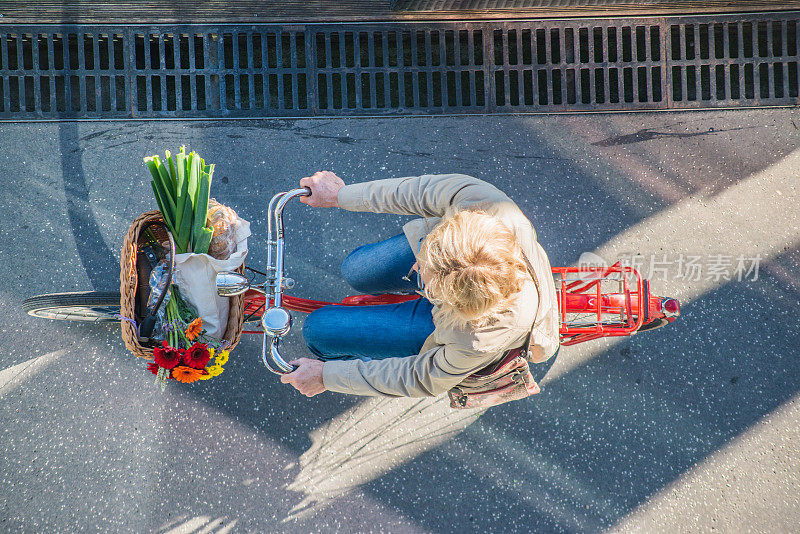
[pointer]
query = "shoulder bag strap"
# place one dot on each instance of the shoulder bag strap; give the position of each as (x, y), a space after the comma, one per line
(536, 323)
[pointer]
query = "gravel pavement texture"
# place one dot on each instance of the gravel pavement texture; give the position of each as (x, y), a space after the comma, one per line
(689, 428)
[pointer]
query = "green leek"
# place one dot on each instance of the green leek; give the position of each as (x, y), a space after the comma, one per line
(182, 187)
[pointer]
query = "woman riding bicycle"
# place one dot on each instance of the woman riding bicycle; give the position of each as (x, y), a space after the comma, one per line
(473, 251)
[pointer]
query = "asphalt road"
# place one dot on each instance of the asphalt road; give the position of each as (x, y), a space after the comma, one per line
(689, 428)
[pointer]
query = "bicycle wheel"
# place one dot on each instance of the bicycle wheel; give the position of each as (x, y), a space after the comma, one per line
(92, 306)
(652, 325)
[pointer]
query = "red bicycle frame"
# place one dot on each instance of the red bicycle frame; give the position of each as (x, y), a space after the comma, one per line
(593, 302)
(586, 310)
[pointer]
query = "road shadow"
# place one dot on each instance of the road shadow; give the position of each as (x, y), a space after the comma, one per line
(368, 441)
(650, 134)
(597, 442)
(602, 439)
(95, 255)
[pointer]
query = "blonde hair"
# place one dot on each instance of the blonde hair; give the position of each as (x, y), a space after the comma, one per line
(473, 267)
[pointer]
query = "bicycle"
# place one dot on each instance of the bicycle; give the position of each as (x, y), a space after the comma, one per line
(594, 302)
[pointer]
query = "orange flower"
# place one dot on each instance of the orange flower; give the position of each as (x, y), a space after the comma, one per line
(195, 327)
(187, 375)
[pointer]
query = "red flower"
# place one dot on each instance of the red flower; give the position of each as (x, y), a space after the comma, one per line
(166, 357)
(153, 368)
(196, 356)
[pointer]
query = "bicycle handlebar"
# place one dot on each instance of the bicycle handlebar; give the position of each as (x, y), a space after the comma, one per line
(276, 321)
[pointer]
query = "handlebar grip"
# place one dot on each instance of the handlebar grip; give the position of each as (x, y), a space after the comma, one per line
(272, 358)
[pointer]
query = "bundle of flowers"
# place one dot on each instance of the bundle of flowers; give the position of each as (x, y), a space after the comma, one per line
(187, 365)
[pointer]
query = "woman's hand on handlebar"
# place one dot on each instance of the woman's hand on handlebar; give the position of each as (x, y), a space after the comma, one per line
(324, 187)
(306, 378)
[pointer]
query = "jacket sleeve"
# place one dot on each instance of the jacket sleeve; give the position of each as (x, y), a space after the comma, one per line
(427, 374)
(429, 195)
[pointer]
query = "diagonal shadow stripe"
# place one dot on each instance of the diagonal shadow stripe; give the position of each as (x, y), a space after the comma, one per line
(97, 258)
(616, 430)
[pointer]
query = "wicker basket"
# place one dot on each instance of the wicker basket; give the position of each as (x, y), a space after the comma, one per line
(128, 281)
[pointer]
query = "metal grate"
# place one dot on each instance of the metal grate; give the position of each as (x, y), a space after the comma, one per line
(397, 69)
(578, 6)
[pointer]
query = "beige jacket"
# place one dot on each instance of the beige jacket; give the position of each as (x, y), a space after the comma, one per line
(450, 355)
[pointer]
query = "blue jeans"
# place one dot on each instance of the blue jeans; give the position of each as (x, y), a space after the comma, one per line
(373, 332)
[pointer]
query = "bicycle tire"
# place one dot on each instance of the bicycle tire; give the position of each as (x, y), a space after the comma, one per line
(89, 306)
(654, 324)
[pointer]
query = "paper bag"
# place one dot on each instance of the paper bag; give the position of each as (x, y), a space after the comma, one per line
(196, 276)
